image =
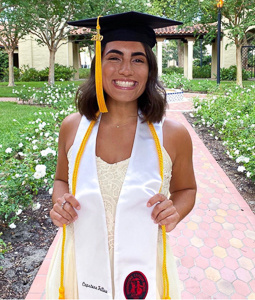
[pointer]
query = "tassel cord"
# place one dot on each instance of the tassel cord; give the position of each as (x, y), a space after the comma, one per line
(161, 167)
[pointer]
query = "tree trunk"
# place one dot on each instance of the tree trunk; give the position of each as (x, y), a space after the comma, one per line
(239, 78)
(51, 78)
(11, 70)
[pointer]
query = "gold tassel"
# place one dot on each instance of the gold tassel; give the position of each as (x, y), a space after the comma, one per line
(161, 168)
(98, 72)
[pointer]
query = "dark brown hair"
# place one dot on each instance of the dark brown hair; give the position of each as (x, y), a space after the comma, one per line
(152, 103)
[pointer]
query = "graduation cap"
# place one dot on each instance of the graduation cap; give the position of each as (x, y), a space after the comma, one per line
(129, 26)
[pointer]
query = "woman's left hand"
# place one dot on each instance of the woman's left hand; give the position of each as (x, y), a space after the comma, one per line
(164, 212)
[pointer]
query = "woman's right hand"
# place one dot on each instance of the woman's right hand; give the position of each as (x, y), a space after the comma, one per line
(64, 210)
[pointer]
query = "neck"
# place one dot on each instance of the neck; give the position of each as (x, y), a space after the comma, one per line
(120, 113)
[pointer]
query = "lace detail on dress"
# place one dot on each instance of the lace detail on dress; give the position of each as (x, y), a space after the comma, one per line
(111, 178)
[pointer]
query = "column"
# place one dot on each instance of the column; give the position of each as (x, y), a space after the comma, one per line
(185, 63)
(190, 57)
(159, 55)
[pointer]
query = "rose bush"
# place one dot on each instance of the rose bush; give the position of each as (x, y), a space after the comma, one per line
(231, 117)
(29, 165)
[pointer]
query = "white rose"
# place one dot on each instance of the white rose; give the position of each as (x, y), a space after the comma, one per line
(37, 175)
(8, 150)
(36, 206)
(241, 169)
(12, 226)
(19, 212)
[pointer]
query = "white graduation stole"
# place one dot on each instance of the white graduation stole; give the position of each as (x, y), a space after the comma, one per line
(135, 239)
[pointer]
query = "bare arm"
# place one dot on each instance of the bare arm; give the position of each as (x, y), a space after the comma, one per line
(64, 214)
(171, 211)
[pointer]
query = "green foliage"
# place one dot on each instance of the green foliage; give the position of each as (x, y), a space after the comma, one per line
(206, 60)
(63, 72)
(54, 96)
(26, 74)
(84, 73)
(6, 91)
(16, 74)
(172, 69)
(230, 73)
(3, 62)
(178, 81)
(202, 72)
(231, 118)
(29, 74)
(3, 247)
(169, 52)
(28, 159)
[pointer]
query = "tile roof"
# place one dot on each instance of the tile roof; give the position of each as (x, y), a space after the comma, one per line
(188, 30)
(171, 31)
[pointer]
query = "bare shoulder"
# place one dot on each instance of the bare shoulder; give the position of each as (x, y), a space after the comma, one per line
(176, 138)
(173, 129)
(71, 120)
(69, 128)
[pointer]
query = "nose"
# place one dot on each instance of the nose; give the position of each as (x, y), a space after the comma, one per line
(126, 68)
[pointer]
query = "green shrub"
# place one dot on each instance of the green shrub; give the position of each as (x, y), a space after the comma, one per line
(176, 81)
(29, 74)
(230, 73)
(26, 74)
(27, 163)
(206, 60)
(231, 117)
(44, 74)
(16, 74)
(202, 72)
(171, 70)
(4, 62)
(63, 72)
(84, 73)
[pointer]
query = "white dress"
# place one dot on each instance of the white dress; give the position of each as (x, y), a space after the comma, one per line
(111, 178)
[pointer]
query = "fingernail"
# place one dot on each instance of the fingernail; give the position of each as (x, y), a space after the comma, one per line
(148, 204)
(75, 218)
(78, 207)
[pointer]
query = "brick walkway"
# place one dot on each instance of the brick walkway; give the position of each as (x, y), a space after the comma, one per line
(214, 245)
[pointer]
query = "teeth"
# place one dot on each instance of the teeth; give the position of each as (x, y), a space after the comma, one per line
(125, 83)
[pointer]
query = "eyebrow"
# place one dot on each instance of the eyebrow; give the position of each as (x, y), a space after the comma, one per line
(121, 53)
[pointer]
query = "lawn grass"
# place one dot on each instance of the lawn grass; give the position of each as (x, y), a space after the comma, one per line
(9, 129)
(6, 91)
(223, 84)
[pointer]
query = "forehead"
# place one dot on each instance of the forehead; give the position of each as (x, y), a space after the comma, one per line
(125, 46)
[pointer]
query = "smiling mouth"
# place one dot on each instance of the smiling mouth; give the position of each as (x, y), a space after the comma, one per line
(125, 84)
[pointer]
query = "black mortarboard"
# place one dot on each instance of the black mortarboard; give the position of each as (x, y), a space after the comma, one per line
(129, 26)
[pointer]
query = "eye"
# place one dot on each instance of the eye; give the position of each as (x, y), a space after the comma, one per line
(114, 58)
(139, 60)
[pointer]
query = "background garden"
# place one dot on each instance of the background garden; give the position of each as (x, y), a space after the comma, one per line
(29, 132)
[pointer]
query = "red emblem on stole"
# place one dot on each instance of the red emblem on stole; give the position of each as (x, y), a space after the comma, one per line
(136, 286)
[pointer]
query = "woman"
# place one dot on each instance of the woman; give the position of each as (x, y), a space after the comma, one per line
(112, 185)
